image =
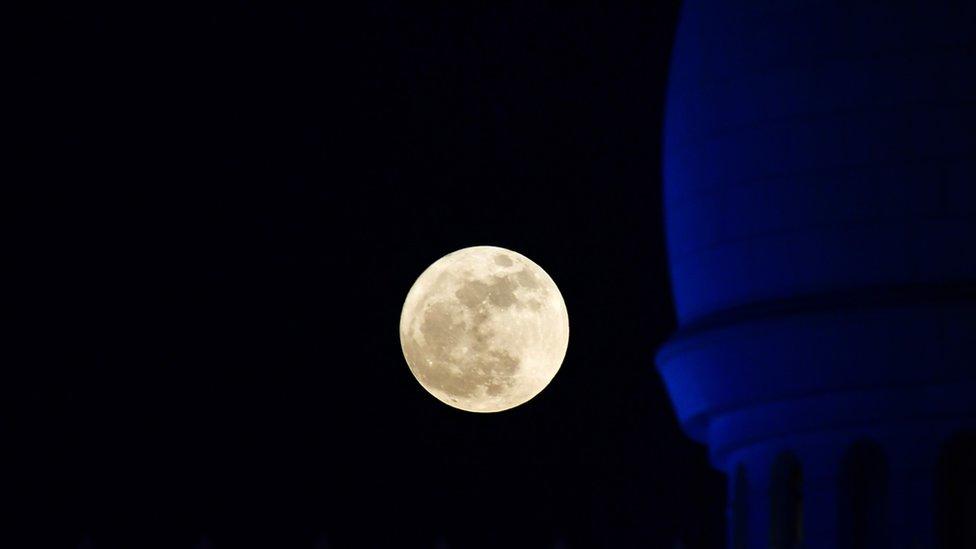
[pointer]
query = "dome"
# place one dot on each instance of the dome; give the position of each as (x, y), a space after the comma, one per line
(820, 206)
(819, 148)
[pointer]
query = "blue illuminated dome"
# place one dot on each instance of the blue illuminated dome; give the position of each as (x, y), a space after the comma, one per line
(820, 203)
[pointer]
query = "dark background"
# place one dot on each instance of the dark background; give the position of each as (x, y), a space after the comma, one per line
(234, 201)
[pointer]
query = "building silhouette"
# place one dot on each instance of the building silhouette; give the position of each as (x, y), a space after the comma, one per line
(204, 543)
(820, 205)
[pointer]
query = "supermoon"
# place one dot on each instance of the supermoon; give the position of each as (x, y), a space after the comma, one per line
(484, 329)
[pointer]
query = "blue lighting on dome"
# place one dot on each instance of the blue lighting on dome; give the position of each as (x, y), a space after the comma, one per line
(820, 197)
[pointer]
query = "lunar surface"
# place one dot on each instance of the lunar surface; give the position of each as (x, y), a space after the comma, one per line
(484, 329)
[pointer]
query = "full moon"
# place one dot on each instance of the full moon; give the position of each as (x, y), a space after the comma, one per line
(484, 329)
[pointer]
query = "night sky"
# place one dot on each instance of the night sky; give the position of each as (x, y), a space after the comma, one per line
(234, 201)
